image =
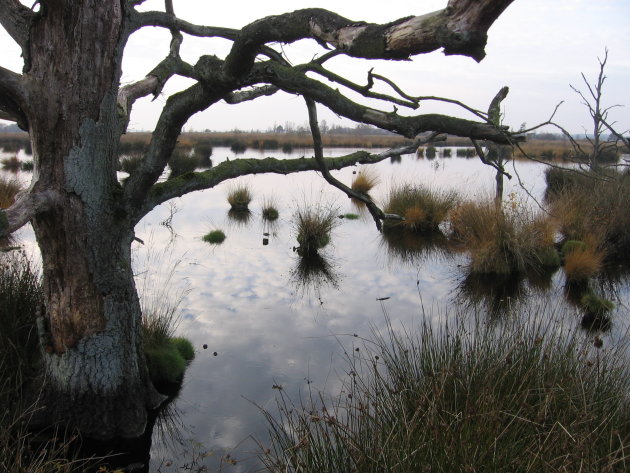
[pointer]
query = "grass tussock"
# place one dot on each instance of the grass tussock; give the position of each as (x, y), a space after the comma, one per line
(9, 188)
(313, 226)
(582, 264)
(203, 152)
(20, 296)
(422, 208)
(365, 181)
(239, 196)
(214, 237)
(593, 207)
(167, 356)
(130, 162)
(182, 162)
(504, 240)
(463, 401)
(270, 209)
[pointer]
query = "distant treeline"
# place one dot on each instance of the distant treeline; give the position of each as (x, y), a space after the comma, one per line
(541, 146)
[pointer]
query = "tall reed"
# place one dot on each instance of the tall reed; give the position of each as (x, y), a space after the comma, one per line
(423, 208)
(525, 398)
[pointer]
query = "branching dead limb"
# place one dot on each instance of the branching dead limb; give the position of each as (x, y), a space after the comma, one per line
(291, 81)
(247, 95)
(365, 90)
(191, 182)
(24, 209)
(377, 214)
(16, 19)
(165, 20)
(461, 28)
(13, 98)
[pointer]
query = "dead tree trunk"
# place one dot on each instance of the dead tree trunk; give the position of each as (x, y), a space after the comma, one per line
(94, 362)
(70, 101)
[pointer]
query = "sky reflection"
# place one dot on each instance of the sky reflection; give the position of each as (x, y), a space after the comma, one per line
(268, 331)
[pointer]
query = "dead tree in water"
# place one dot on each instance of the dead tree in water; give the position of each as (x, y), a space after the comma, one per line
(70, 100)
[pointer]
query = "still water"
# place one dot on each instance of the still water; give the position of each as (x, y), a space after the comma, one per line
(267, 329)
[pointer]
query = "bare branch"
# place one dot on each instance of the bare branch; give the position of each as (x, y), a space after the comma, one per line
(461, 28)
(362, 89)
(16, 20)
(192, 182)
(24, 209)
(246, 95)
(377, 214)
(392, 84)
(152, 84)
(287, 80)
(162, 19)
(128, 94)
(13, 101)
(165, 20)
(617, 135)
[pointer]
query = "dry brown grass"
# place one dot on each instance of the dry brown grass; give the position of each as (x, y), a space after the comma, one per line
(8, 190)
(596, 211)
(423, 208)
(503, 240)
(582, 263)
(365, 180)
(548, 150)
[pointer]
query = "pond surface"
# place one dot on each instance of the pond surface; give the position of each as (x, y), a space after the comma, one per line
(266, 328)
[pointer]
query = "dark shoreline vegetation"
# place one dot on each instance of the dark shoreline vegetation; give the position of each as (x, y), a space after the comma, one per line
(25, 447)
(198, 146)
(415, 400)
(461, 400)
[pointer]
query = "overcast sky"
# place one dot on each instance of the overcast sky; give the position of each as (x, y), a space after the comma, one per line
(537, 48)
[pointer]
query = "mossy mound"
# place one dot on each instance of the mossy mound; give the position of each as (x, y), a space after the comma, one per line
(167, 362)
(215, 237)
(596, 305)
(184, 347)
(549, 257)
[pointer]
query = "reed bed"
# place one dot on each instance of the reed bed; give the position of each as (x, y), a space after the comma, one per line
(504, 239)
(592, 207)
(423, 208)
(460, 399)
